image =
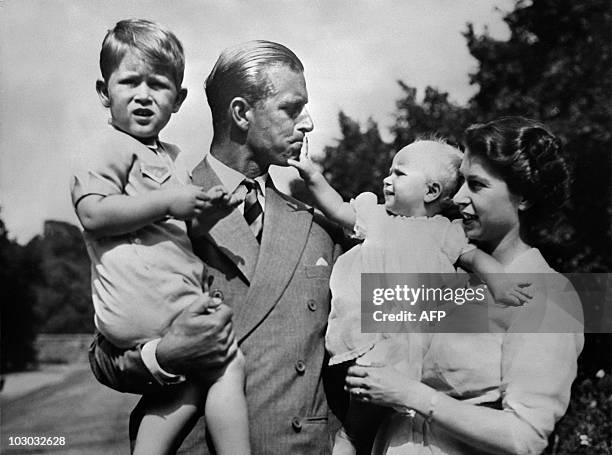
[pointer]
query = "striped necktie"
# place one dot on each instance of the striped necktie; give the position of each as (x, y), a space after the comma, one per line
(253, 212)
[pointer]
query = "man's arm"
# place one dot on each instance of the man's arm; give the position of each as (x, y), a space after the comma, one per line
(196, 344)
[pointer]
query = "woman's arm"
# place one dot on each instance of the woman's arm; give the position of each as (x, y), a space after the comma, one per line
(483, 428)
(537, 370)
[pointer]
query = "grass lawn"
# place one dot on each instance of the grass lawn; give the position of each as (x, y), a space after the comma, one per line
(92, 418)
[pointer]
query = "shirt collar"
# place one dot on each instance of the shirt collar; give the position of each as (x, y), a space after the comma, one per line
(231, 178)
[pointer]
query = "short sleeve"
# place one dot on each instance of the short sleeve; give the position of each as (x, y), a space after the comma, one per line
(538, 368)
(455, 242)
(365, 207)
(100, 171)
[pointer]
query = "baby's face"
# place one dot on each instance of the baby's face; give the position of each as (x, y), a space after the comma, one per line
(141, 99)
(406, 185)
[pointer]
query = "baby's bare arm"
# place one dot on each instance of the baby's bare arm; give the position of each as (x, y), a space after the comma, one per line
(327, 198)
(118, 214)
(504, 287)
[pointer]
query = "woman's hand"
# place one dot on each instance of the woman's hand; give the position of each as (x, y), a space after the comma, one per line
(386, 386)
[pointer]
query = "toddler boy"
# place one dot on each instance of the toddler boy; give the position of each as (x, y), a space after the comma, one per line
(133, 197)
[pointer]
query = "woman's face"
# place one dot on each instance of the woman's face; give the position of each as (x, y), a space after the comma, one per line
(489, 209)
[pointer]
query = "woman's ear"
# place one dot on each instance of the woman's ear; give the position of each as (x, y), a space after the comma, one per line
(434, 190)
(180, 97)
(102, 90)
(240, 112)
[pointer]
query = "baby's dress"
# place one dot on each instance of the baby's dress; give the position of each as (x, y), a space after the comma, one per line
(392, 244)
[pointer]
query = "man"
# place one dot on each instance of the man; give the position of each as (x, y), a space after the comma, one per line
(270, 260)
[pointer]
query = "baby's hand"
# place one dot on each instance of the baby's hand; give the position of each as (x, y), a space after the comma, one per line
(511, 293)
(305, 166)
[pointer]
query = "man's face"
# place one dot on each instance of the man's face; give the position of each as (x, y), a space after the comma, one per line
(278, 123)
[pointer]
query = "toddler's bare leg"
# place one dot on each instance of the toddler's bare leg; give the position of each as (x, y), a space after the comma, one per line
(162, 422)
(226, 411)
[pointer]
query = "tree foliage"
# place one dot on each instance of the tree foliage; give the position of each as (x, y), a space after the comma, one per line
(17, 271)
(359, 161)
(557, 67)
(63, 290)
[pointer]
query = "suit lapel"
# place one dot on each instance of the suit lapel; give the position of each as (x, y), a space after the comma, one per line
(231, 234)
(286, 227)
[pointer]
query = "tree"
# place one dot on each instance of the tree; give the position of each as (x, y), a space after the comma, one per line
(359, 161)
(557, 67)
(63, 292)
(17, 271)
(434, 115)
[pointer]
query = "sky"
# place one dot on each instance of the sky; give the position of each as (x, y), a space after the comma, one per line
(353, 52)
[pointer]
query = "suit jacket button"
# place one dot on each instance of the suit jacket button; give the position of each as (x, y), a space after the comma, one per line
(296, 423)
(312, 305)
(300, 367)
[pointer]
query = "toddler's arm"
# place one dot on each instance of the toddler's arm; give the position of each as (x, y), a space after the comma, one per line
(503, 288)
(118, 214)
(327, 199)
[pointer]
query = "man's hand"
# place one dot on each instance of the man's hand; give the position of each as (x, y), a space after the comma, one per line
(198, 342)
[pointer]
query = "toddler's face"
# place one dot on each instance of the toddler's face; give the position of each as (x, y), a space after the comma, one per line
(406, 185)
(141, 100)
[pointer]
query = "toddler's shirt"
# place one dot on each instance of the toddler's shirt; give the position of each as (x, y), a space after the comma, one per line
(143, 279)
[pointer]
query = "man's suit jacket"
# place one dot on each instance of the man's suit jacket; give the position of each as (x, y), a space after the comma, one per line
(279, 292)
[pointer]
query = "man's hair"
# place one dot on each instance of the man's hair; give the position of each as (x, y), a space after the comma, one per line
(155, 44)
(240, 70)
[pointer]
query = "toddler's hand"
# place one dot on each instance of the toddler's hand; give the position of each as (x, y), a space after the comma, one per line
(185, 202)
(216, 204)
(511, 293)
(217, 199)
(305, 166)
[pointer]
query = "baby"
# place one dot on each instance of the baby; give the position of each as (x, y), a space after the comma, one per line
(132, 197)
(407, 234)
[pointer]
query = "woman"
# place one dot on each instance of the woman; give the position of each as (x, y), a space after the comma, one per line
(493, 392)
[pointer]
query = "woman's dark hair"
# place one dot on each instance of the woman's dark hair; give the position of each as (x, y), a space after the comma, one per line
(527, 156)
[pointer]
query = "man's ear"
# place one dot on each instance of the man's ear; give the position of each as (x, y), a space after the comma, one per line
(180, 97)
(434, 190)
(240, 112)
(102, 90)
